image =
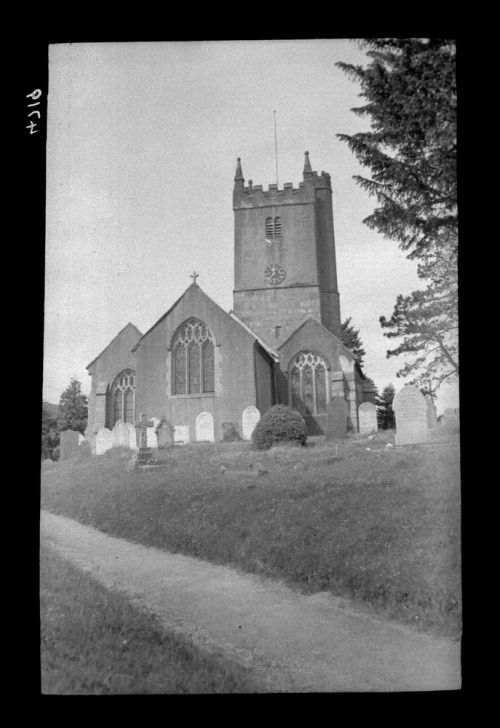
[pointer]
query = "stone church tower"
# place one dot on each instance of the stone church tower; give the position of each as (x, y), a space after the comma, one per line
(284, 256)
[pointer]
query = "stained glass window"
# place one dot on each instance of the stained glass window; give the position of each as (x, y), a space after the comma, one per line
(308, 383)
(193, 359)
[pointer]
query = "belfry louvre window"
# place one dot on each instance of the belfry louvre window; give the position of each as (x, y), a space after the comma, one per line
(123, 397)
(273, 227)
(193, 359)
(308, 383)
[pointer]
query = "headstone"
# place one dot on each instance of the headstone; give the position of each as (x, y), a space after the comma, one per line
(165, 435)
(68, 444)
(410, 409)
(205, 427)
(151, 439)
(84, 451)
(451, 418)
(431, 413)
(103, 441)
(181, 434)
(121, 435)
(230, 432)
(249, 419)
(132, 435)
(144, 455)
(336, 423)
(367, 414)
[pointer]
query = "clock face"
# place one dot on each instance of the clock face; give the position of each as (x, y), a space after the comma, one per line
(274, 274)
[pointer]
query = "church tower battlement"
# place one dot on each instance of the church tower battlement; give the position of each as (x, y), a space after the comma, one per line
(284, 245)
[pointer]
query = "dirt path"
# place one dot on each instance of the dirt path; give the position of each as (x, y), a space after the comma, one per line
(295, 642)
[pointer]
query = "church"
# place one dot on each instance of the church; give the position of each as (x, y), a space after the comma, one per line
(281, 343)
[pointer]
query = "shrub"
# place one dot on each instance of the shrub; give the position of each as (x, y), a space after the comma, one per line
(279, 424)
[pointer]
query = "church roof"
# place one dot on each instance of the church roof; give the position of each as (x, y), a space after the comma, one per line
(272, 352)
(139, 335)
(313, 321)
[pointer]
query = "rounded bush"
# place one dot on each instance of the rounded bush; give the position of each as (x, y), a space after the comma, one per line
(279, 424)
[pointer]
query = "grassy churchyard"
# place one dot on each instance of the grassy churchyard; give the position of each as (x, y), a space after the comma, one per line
(379, 526)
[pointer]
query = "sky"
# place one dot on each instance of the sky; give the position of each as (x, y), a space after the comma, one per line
(142, 141)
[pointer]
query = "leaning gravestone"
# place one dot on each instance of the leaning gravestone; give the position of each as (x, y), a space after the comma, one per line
(165, 435)
(336, 423)
(121, 435)
(249, 419)
(103, 441)
(367, 413)
(410, 409)
(205, 427)
(69, 441)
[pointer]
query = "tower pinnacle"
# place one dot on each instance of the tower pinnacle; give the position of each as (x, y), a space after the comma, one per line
(307, 165)
(239, 174)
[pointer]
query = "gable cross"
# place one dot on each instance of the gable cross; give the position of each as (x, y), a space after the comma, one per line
(194, 276)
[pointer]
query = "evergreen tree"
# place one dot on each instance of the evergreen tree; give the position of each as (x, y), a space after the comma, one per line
(385, 413)
(73, 408)
(50, 435)
(427, 323)
(411, 149)
(351, 339)
(410, 87)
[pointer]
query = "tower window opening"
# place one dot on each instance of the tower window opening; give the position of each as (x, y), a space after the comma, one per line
(277, 225)
(269, 227)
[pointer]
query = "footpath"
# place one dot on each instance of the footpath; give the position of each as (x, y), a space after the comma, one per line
(294, 642)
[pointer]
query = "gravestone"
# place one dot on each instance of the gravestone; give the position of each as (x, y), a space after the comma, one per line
(205, 427)
(431, 413)
(410, 409)
(103, 441)
(144, 455)
(121, 435)
(249, 419)
(451, 419)
(165, 435)
(367, 413)
(230, 432)
(132, 434)
(68, 444)
(84, 451)
(151, 438)
(181, 434)
(336, 418)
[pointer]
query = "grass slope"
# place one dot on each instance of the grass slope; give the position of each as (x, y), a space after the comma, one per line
(97, 643)
(379, 526)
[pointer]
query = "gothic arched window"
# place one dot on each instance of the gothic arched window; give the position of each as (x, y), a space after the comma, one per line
(193, 359)
(308, 383)
(277, 225)
(123, 397)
